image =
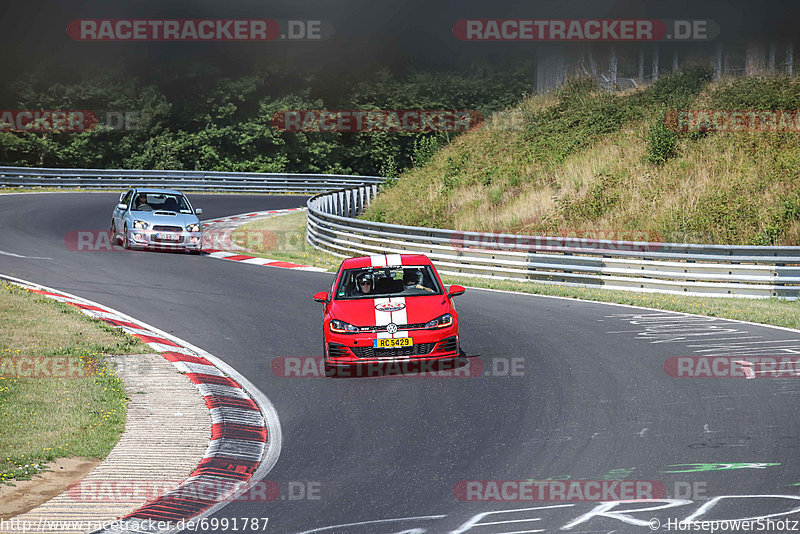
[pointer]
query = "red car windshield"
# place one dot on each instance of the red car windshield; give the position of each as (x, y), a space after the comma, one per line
(382, 282)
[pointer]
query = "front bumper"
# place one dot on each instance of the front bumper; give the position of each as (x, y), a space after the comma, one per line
(153, 239)
(346, 350)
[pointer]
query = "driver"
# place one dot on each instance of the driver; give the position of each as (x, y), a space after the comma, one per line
(141, 203)
(364, 283)
(412, 279)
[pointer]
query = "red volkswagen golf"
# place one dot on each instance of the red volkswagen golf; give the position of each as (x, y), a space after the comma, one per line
(388, 308)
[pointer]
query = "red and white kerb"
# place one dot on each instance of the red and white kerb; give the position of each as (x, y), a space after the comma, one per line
(239, 439)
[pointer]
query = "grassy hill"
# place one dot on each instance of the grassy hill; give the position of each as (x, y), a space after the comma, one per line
(596, 164)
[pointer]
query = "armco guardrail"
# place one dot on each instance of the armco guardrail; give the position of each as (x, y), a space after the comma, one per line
(240, 182)
(703, 270)
(700, 270)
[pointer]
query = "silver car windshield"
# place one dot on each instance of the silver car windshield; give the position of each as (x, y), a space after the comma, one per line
(160, 202)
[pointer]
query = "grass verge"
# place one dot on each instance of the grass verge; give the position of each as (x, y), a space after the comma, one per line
(589, 163)
(283, 238)
(58, 397)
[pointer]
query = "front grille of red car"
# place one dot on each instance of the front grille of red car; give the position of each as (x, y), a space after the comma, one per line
(419, 349)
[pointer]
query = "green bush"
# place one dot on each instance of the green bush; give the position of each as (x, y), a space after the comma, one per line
(662, 141)
(424, 149)
(757, 93)
(678, 89)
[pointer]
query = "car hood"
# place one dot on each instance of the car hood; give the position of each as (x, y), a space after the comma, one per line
(417, 309)
(165, 217)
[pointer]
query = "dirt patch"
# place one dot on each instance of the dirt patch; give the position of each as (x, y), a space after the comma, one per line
(28, 494)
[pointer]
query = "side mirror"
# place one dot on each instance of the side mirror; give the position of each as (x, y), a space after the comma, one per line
(322, 296)
(122, 206)
(199, 211)
(121, 196)
(455, 291)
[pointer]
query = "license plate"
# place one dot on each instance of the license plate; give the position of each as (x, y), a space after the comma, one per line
(392, 342)
(168, 237)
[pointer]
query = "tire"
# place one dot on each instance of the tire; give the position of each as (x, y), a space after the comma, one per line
(126, 244)
(112, 234)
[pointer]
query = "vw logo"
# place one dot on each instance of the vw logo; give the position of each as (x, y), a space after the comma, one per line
(390, 306)
(391, 328)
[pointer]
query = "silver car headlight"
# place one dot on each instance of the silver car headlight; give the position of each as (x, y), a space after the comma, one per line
(440, 322)
(192, 227)
(141, 225)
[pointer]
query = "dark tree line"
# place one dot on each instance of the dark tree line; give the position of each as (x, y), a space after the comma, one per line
(196, 118)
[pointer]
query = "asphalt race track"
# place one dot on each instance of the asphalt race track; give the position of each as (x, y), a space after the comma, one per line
(569, 390)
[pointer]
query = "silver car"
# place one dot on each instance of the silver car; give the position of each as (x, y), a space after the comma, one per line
(161, 219)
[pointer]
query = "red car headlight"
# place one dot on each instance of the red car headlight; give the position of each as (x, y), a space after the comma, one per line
(341, 327)
(440, 322)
